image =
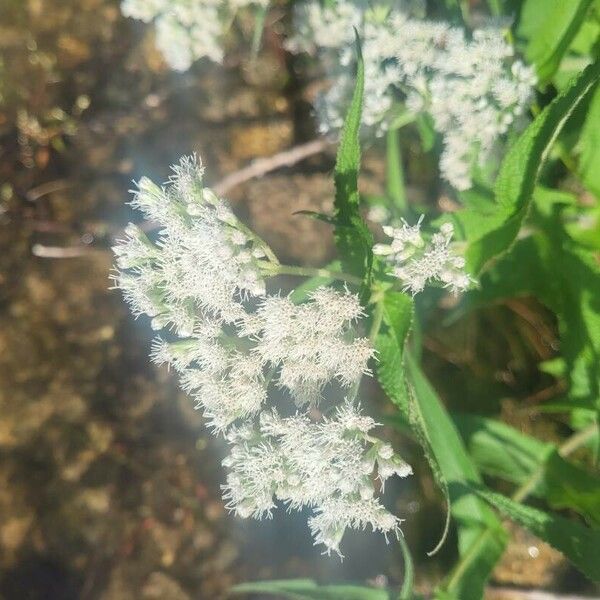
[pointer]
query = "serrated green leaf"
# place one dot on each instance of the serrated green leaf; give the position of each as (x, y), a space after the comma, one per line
(578, 543)
(306, 589)
(397, 317)
(353, 238)
(481, 537)
(549, 26)
(442, 445)
(498, 228)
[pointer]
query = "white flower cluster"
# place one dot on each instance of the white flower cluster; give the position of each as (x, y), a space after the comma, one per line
(328, 466)
(187, 30)
(311, 343)
(473, 88)
(203, 279)
(417, 262)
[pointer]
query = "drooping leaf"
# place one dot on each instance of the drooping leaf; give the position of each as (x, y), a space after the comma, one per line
(353, 238)
(306, 589)
(444, 448)
(481, 537)
(495, 229)
(578, 543)
(549, 26)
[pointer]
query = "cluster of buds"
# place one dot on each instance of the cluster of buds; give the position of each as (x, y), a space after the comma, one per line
(417, 262)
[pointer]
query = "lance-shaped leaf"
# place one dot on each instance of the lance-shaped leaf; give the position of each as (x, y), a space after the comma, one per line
(578, 543)
(353, 238)
(549, 27)
(501, 451)
(497, 227)
(421, 407)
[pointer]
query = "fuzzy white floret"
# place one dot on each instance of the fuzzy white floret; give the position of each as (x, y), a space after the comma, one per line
(326, 465)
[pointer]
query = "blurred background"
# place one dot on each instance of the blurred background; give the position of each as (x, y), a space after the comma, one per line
(109, 484)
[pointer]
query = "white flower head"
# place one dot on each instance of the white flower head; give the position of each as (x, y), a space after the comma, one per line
(201, 277)
(188, 30)
(313, 343)
(473, 88)
(418, 263)
(326, 465)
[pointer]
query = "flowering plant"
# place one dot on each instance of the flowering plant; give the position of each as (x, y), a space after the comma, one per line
(278, 375)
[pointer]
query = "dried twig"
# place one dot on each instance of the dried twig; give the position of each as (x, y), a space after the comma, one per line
(262, 166)
(43, 251)
(34, 194)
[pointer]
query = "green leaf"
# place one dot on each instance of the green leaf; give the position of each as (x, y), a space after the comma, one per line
(589, 144)
(397, 317)
(407, 591)
(549, 26)
(454, 463)
(501, 451)
(444, 448)
(565, 485)
(563, 275)
(353, 238)
(306, 589)
(578, 543)
(495, 229)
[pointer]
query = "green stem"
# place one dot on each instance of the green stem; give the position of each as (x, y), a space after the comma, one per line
(573, 443)
(273, 270)
(377, 320)
(495, 8)
(395, 173)
(576, 441)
